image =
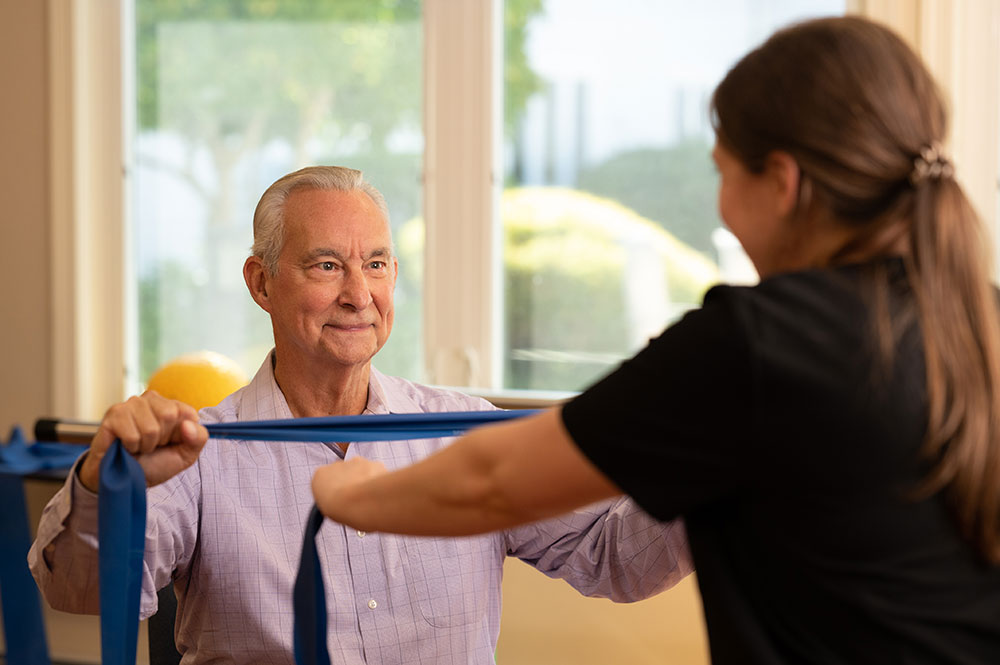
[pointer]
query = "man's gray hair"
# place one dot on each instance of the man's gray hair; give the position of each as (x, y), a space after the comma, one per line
(269, 217)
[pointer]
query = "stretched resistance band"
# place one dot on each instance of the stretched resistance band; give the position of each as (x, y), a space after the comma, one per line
(122, 519)
(383, 427)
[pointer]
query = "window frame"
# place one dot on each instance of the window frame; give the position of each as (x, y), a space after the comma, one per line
(87, 230)
(88, 118)
(960, 43)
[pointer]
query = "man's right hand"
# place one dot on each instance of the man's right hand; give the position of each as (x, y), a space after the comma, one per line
(163, 435)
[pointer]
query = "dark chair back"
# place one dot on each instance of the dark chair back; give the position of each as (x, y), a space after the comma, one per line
(162, 649)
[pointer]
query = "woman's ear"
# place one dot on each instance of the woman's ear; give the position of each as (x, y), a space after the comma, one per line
(786, 177)
(256, 276)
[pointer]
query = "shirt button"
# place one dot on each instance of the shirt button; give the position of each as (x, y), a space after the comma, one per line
(372, 604)
(361, 534)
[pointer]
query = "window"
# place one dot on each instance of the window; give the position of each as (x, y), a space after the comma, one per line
(607, 222)
(231, 96)
(610, 229)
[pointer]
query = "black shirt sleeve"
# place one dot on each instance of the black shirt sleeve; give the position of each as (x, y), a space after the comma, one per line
(671, 426)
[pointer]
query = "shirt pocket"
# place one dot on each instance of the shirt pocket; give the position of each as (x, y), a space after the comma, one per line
(453, 580)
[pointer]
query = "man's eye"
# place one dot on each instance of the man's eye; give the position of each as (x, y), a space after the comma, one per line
(327, 265)
(377, 265)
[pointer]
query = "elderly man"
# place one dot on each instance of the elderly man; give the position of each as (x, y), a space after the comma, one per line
(225, 518)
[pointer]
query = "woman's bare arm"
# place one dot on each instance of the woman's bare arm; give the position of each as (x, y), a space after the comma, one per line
(492, 478)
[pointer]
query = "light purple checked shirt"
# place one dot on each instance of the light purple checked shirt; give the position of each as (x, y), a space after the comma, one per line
(228, 533)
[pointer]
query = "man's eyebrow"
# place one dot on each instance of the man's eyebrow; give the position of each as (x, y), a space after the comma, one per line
(321, 252)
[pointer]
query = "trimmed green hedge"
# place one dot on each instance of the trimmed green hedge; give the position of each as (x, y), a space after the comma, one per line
(580, 272)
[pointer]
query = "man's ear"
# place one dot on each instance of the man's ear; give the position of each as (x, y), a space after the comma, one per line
(786, 177)
(256, 277)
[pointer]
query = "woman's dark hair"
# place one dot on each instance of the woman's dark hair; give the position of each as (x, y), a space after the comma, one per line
(863, 118)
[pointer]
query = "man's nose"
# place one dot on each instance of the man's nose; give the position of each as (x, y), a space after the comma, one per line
(355, 292)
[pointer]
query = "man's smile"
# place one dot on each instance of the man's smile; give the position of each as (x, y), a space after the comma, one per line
(349, 327)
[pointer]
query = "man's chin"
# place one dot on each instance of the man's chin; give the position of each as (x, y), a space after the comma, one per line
(347, 355)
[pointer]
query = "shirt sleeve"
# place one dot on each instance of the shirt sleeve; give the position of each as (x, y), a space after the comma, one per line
(611, 549)
(64, 557)
(670, 426)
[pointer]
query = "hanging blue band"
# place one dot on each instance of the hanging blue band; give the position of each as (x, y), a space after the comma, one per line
(309, 600)
(23, 623)
(122, 526)
(121, 530)
(24, 631)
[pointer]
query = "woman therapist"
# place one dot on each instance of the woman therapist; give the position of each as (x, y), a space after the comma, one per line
(831, 435)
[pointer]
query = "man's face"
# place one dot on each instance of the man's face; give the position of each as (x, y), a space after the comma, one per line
(331, 300)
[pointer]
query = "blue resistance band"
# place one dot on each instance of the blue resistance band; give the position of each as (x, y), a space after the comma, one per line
(122, 525)
(383, 427)
(121, 532)
(309, 600)
(23, 624)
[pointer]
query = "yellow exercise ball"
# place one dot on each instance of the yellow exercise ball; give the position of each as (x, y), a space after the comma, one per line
(201, 379)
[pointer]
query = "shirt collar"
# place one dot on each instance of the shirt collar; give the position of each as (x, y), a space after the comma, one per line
(266, 400)
(378, 402)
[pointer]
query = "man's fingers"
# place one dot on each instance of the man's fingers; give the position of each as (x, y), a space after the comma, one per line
(167, 461)
(90, 469)
(189, 432)
(170, 415)
(193, 433)
(102, 440)
(120, 421)
(153, 419)
(163, 434)
(187, 412)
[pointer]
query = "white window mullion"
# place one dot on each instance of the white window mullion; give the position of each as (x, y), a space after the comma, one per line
(973, 88)
(461, 285)
(960, 42)
(87, 228)
(961, 45)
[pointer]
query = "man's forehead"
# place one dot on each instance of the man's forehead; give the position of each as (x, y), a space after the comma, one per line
(355, 199)
(334, 208)
(319, 227)
(328, 237)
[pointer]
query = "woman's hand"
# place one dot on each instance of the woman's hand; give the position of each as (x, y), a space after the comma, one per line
(163, 435)
(331, 484)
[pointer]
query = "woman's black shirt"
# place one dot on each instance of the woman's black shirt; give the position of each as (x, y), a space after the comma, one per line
(770, 420)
